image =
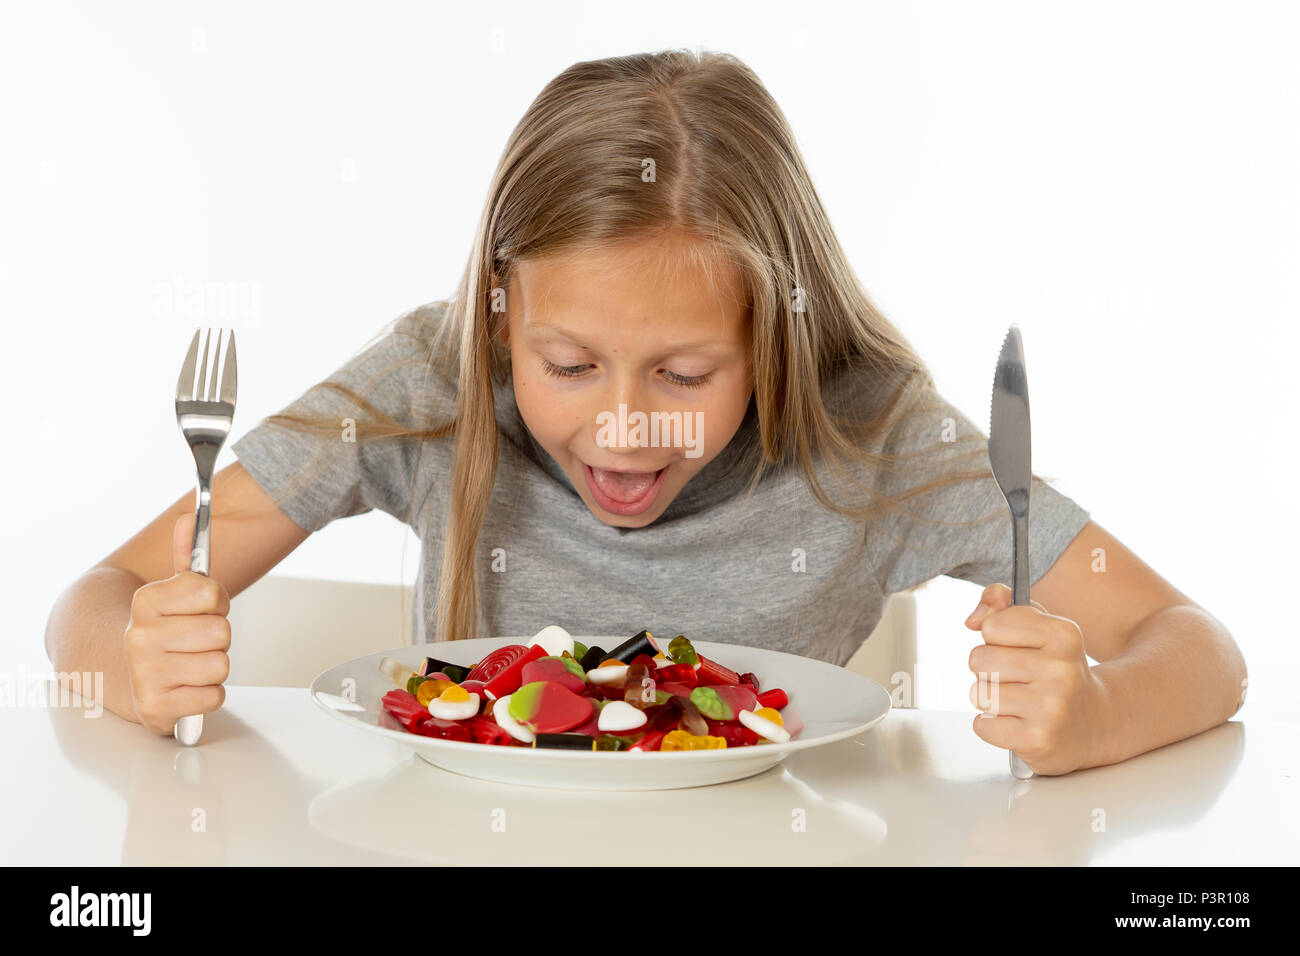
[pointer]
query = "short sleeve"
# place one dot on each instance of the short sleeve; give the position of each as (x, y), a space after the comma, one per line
(961, 528)
(333, 470)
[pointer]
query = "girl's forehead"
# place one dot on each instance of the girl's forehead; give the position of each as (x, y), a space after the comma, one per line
(646, 283)
(596, 316)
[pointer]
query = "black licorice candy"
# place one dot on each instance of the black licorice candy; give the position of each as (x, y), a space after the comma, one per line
(592, 658)
(626, 652)
(432, 665)
(564, 742)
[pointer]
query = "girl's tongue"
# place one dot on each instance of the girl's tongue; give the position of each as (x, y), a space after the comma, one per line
(624, 486)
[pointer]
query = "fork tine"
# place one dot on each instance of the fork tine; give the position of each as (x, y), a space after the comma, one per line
(230, 373)
(185, 381)
(211, 396)
(200, 390)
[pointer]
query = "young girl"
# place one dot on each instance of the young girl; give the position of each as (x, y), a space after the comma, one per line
(659, 398)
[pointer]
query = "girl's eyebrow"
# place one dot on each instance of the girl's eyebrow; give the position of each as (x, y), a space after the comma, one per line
(700, 345)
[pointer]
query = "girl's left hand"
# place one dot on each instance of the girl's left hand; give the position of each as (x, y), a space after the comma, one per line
(1039, 697)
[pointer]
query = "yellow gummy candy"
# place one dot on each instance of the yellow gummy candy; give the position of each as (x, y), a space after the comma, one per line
(773, 715)
(611, 662)
(455, 694)
(674, 740)
(682, 740)
(430, 689)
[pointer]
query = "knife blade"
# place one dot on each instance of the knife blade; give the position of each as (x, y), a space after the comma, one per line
(1009, 457)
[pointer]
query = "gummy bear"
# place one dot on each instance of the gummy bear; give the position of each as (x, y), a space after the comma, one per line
(639, 686)
(690, 718)
(681, 651)
(681, 740)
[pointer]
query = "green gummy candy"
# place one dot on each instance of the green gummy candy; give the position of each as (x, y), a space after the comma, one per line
(455, 672)
(579, 650)
(681, 651)
(707, 701)
(525, 701)
(662, 697)
(413, 682)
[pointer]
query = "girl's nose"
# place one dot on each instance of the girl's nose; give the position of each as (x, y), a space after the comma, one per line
(623, 389)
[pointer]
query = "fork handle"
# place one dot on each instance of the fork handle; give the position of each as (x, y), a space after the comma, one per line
(202, 527)
(188, 730)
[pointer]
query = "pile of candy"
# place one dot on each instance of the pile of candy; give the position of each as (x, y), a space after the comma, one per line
(554, 692)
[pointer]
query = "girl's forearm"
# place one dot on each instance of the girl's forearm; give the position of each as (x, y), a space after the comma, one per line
(85, 631)
(1180, 673)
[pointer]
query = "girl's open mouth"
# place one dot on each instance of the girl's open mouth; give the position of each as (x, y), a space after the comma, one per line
(624, 492)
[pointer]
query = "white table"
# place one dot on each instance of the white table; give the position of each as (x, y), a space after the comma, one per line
(277, 781)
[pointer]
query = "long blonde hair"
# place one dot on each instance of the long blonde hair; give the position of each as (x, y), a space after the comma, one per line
(641, 145)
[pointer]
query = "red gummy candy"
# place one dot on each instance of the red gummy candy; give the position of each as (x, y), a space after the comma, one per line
(492, 665)
(510, 678)
(551, 669)
(406, 710)
(650, 741)
(711, 672)
(488, 731)
(775, 698)
(649, 663)
(555, 707)
(445, 729)
(677, 674)
(736, 735)
(592, 727)
(662, 718)
(751, 680)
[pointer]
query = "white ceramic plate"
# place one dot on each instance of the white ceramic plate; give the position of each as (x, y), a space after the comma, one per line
(833, 703)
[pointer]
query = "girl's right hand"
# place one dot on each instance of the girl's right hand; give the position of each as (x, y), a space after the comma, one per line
(177, 640)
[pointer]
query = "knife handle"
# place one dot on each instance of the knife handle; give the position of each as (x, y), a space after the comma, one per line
(1019, 769)
(1020, 557)
(1019, 595)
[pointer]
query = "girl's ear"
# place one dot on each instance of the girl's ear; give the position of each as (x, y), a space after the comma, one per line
(500, 332)
(503, 331)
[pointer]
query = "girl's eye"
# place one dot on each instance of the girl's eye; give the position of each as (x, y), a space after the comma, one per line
(691, 381)
(563, 371)
(574, 371)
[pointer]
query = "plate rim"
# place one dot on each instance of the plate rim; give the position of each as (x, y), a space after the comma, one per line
(472, 747)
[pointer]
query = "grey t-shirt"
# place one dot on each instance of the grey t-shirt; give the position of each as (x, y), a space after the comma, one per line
(774, 569)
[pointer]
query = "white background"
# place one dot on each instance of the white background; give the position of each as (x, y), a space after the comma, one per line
(1118, 178)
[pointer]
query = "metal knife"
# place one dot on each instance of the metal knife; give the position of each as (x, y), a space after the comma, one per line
(1009, 458)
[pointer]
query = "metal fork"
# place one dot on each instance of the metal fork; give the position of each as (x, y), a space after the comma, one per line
(204, 410)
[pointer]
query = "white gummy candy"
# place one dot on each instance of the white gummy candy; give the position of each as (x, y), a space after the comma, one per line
(768, 729)
(501, 711)
(455, 709)
(555, 639)
(618, 716)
